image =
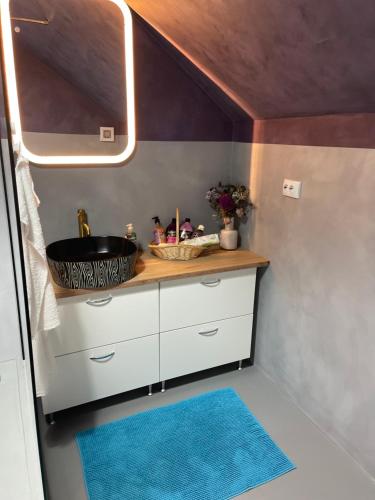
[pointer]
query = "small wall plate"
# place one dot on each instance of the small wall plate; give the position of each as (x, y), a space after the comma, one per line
(107, 134)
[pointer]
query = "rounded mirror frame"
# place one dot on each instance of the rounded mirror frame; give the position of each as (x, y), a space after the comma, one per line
(14, 109)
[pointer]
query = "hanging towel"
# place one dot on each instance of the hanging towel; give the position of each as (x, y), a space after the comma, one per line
(42, 301)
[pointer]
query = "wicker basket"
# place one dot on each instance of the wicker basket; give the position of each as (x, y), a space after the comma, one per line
(175, 251)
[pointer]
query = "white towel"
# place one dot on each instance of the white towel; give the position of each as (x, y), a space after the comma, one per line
(42, 301)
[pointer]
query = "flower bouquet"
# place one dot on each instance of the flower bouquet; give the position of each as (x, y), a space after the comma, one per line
(229, 201)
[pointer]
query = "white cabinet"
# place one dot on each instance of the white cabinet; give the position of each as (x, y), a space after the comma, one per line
(113, 342)
(204, 346)
(193, 301)
(103, 318)
(97, 373)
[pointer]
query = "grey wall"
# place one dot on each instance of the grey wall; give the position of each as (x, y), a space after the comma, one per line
(160, 177)
(316, 315)
(186, 130)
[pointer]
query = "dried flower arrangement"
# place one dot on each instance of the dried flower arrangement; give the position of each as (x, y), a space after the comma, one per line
(229, 201)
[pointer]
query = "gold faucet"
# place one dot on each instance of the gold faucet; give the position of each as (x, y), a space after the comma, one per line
(83, 225)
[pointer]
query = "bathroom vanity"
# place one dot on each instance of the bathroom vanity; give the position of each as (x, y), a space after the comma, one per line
(171, 319)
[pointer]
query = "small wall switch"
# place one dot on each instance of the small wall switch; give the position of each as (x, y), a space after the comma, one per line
(107, 134)
(292, 188)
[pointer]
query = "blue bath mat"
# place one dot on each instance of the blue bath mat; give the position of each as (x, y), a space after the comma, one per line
(206, 448)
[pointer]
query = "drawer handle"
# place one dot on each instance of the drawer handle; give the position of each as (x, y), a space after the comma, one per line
(100, 302)
(211, 283)
(210, 333)
(106, 357)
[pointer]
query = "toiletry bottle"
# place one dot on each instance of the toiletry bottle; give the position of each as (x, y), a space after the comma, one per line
(199, 231)
(158, 232)
(171, 237)
(171, 231)
(184, 235)
(186, 229)
(171, 226)
(187, 225)
(130, 233)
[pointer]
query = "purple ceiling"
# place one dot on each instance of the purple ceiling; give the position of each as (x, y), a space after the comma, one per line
(174, 100)
(83, 42)
(277, 58)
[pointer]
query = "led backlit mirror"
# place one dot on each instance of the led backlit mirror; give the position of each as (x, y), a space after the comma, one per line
(70, 82)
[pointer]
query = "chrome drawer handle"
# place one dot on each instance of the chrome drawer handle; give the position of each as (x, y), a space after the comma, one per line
(211, 283)
(99, 302)
(106, 357)
(210, 333)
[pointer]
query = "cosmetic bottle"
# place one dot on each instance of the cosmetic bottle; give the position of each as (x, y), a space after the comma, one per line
(187, 226)
(171, 237)
(158, 232)
(185, 235)
(130, 233)
(171, 226)
(199, 231)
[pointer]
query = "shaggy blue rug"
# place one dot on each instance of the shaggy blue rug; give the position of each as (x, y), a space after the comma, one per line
(206, 448)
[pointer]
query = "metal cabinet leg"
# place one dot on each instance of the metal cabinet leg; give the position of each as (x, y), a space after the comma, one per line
(240, 364)
(150, 390)
(163, 386)
(50, 419)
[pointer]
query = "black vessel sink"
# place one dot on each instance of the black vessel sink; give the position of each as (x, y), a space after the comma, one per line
(92, 262)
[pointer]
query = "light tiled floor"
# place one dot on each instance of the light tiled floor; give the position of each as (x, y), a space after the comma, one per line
(324, 471)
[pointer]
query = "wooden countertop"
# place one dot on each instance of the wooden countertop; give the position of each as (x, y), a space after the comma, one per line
(150, 269)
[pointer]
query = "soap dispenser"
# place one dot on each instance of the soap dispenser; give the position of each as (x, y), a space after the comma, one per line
(158, 232)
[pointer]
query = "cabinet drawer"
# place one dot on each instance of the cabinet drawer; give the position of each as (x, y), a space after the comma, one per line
(89, 375)
(199, 347)
(104, 318)
(199, 300)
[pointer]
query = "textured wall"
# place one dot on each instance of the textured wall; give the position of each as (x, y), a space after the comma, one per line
(50, 103)
(160, 177)
(185, 132)
(316, 321)
(96, 27)
(277, 58)
(72, 144)
(350, 131)
(59, 95)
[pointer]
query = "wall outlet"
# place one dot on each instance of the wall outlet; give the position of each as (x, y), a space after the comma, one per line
(292, 188)
(107, 134)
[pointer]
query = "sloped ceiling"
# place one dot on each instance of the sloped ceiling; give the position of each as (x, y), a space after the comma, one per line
(277, 58)
(83, 42)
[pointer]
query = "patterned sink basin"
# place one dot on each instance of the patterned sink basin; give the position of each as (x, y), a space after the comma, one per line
(92, 262)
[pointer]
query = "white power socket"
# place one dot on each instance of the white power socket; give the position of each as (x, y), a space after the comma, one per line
(292, 188)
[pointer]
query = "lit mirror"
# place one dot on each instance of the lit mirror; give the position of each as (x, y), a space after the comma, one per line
(69, 74)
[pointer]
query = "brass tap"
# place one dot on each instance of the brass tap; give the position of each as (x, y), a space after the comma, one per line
(83, 225)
